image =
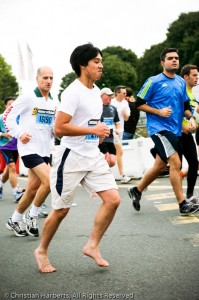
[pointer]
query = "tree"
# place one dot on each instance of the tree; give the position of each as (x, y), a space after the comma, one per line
(117, 72)
(119, 68)
(66, 80)
(182, 34)
(8, 82)
(124, 54)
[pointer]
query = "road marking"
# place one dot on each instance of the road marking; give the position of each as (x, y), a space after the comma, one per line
(160, 196)
(167, 206)
(178, 220)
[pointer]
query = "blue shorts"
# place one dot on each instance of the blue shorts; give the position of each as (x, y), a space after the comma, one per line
(166, 144)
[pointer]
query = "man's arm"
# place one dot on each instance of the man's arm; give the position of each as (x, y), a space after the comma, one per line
(163, 112)
(64, 128)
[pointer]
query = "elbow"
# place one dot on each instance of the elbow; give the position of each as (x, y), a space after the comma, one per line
(57, 131)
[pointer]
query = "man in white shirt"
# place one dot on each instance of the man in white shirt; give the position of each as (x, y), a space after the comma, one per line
(79, 160)
(123, 112)
(35, 112)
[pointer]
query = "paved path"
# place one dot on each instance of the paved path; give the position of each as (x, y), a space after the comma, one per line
(153, 254)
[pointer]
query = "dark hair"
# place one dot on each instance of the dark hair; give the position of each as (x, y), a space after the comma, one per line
(8, 99)
(186, 70)
(129, 92)
(118, 88)
(165, 51)
(81, 56)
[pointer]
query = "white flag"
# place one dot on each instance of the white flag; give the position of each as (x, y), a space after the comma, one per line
(29, 63)
(21, 67)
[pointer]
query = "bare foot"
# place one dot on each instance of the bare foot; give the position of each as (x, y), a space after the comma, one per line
(95, 254)
(43, 262)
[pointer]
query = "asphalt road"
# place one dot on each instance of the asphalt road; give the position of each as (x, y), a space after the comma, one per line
(153, 254)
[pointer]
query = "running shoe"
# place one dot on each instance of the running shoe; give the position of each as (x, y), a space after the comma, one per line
(42, 211)
(1, 193)
(31, 224)
(17, 196)
(17, 227)
(193, 200)
(188, 209)
(125, 179)
(135, 197)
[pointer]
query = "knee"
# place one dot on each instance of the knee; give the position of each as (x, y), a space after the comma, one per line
(61, 213)
(115, 201)
(12, 168)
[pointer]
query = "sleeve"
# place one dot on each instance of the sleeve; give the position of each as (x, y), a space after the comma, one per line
(128, 111)
(68, 103)
(11, 114)
(187, 106)
(139, 102)
(116, 118)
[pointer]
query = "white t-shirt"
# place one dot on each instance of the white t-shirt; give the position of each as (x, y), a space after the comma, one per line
(32, 113)
(85, 106)
(120, 105)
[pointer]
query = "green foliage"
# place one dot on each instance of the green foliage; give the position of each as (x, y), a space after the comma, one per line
(123, 54)
(66, 80)
(116, 72)
(8, 83)
(184, 35)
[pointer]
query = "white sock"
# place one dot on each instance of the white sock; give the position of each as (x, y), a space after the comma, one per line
(34, 211)
(15, 190)
(16, 216)
(1, 184)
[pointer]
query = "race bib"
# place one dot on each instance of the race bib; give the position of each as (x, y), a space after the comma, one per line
(45, 117)
(91, 138)
(109, 122)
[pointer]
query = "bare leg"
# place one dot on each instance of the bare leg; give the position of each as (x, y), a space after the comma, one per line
(151, 174)
(5, 175)
(12, 175)
(50, 227)
(103, 218)
(37, 189)
(176, 182)
(119, 154)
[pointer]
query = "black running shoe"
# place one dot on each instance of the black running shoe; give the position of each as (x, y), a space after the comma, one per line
(135, 197)
(189, 209)
(17, 227)
(31, 225)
